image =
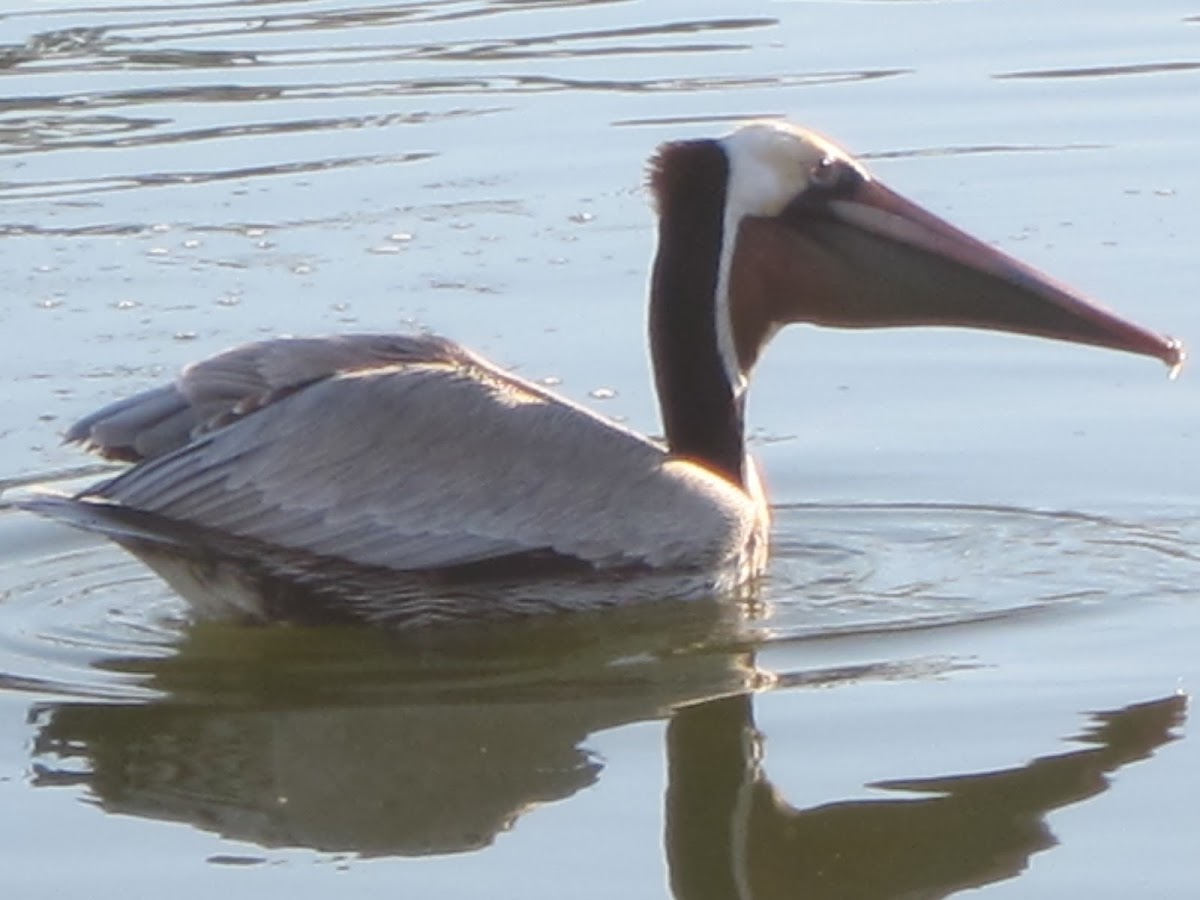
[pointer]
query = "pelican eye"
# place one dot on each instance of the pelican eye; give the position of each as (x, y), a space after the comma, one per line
(824, 174)
(832, 177)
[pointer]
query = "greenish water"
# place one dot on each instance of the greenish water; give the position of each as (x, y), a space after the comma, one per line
(971, 663)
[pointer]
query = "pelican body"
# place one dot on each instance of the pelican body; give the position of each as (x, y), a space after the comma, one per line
(292, 475)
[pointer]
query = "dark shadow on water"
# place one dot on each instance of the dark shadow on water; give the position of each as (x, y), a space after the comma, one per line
(729, 833)
(352, 739)
(378, 742)
(362, 741)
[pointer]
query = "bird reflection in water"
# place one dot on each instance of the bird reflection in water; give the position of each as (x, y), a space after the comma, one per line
(439, 751)
(729, 833)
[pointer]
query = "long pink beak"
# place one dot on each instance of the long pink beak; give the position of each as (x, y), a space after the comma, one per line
(870, 258)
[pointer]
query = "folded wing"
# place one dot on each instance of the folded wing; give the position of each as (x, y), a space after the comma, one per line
(409, 453)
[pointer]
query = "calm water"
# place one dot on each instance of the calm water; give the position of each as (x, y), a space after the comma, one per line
(971, 664)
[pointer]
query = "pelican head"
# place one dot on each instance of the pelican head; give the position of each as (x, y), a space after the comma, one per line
(772, 225)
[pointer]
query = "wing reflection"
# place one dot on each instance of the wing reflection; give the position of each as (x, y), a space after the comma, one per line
(362, 741)
(353, 740)
(729, 834)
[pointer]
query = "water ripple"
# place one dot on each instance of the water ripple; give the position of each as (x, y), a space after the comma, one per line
(1106, 71)
(81, 618)
(159, 82)
(69, 618)
(892, 567)
(123, 45)
(68, 187)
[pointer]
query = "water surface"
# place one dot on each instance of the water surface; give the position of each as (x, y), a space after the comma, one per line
(970, 662)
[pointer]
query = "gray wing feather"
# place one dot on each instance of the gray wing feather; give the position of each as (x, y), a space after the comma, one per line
(218, 390)
(413, 454)
(139, 427)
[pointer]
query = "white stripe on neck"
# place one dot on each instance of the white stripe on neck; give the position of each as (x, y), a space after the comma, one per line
(758, 185)
(769, 165)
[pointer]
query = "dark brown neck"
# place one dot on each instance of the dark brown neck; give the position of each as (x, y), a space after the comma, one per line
(701, 414)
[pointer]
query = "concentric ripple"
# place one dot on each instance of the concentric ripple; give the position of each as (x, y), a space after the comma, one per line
(884, 567)
(71, 608)
(80, 618)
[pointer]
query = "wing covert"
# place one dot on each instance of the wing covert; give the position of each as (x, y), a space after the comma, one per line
(216, 391)
(439, 462)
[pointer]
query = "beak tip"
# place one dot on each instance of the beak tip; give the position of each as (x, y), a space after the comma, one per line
(1174, 356)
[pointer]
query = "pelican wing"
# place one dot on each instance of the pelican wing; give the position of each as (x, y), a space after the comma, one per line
(414, 454)
(216, 391)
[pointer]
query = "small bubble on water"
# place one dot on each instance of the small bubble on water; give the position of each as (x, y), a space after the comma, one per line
(602, 393)
(126, 304)
(184, 335)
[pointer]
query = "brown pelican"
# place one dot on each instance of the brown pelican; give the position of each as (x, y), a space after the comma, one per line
(410, 458)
